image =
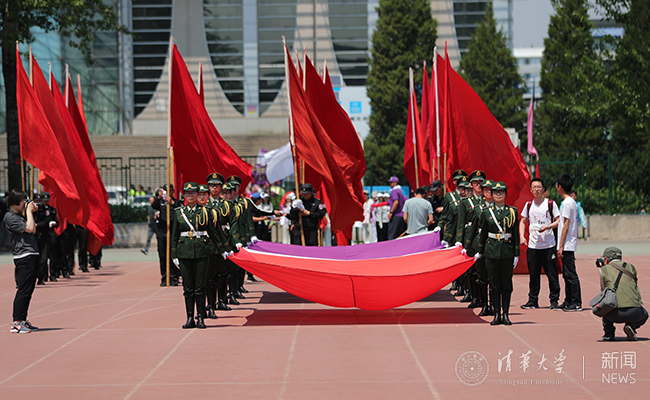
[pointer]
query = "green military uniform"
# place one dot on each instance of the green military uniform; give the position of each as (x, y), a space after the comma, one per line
(467, 210)
(195, 235)
(499, 244)
(449, 216)
(243, 226)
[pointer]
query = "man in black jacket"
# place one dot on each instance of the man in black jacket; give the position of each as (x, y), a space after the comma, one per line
(160, 204)
(311, 211)
(46, 219)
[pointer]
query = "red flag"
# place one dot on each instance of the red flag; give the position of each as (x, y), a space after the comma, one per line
(100, 226)
(76, 211)
(38, 143)
(426, 118)
(318, 151)
(480, 142)
(340, 130)
(81, 104)
(199, 149)
(437, 116)
(413, 146)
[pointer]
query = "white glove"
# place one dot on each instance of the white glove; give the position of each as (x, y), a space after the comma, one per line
(52, 224)
(239, 246)
(444, 244)
(514, 265)
(477, 256)
(298, 204)
(231, 253)
(225, 255)
(436, 229)
(176, 263)
(463, 252)
(254, 239)
(458, 244)
(164, 195)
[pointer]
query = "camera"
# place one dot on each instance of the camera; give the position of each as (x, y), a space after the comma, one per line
(600, 262)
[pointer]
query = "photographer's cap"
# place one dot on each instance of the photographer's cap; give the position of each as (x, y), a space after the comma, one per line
(613, 253)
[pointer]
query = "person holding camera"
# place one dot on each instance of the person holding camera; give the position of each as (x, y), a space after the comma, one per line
(621, 277)
(25, 251)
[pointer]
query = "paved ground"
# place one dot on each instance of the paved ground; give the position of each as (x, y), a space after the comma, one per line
(115, 333)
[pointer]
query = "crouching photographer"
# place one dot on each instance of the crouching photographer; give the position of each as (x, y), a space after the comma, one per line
(621, 277)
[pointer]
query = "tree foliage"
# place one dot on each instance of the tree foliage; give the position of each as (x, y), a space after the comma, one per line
(404, 37)
(630, 73)
(490, 69)
(573, 111)
(74, 19)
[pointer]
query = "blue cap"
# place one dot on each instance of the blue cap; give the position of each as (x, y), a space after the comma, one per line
(256, 195)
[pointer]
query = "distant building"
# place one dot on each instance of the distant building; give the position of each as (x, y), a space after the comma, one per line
(529, 61)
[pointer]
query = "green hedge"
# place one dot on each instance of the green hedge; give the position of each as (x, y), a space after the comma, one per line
(121, 213)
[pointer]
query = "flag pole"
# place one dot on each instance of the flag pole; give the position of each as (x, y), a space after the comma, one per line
(292, 139)
(22, 161)
(169, 160)
(413, 104)
(31, 82)
(435, 71)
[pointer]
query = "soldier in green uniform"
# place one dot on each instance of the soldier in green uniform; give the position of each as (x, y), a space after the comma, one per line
(499, 244)
(202, 198)
(194, 231)
(246, 229)
(447, 222)
(469, 206)
(465, 191)
(470, 247)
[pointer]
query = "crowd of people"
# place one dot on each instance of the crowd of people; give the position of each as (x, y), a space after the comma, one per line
(212, 222)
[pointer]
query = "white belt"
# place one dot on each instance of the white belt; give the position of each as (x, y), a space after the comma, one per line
(195, 233)
(468, 224)
(499, 236)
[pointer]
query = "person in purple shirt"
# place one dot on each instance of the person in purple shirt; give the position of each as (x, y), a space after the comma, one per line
(396, 224)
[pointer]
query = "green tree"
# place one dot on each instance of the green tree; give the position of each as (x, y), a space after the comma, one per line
(630, 73)
(490, 69)
(572, 114)
(405, 35)
(74, 19)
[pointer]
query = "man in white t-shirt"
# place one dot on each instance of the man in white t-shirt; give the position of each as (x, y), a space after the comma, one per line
(567, 226)
(541, 245)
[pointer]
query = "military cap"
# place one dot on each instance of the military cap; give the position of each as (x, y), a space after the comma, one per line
(613, 253)
(458, 173)
(228, 186)
(190, 187)
(499, 186)
(464, 183)
(477, 175)
(203, 189)
(234, 179)
(488, 183)
(306, 187)
(215, 179)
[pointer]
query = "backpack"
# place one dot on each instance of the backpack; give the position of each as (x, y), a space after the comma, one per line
(549, 211)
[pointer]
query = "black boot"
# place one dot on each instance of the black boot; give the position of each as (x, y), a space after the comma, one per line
(200, 311)
(233, 285)
(242, 279)
(496, 302)
(461, 288)
(483, 293)
(251, 277)
(189, 309)
(454, 285)
(505, 304)
(473, 291)
(221, 295)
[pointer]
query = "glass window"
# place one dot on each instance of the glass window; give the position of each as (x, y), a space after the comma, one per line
(345, 34)
(146, 86)
(222, 23)
(235, 97)
(232, 85)
(147, 73)
(345, 21)
(151, 37)
(150, 49)
(272, 47)
(350, 45)
(275, 10)
(362, 71)
(270, 83)
(226, 48)
(223, 10)
(139, 24)
(230, 60)
(271, 59)
(229, 72)
(151, 2)
(230, 35)
(271, 72)
(279, 22)
(352, 57)
(268, 96)
(148, 61)
(344, 8)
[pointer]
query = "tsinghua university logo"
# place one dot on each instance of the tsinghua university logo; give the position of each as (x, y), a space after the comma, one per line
(472, 368)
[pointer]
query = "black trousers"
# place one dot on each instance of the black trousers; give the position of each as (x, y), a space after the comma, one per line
(174, 273)
(382, 233)
(194, 272)
(500, 274)
(311, 237)
(539, 259)
(45, 248)
(571, 280)
(482, 277)
(68, 239)
(633, 316)
(396, 226)
(82, 246)
(25, 274)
